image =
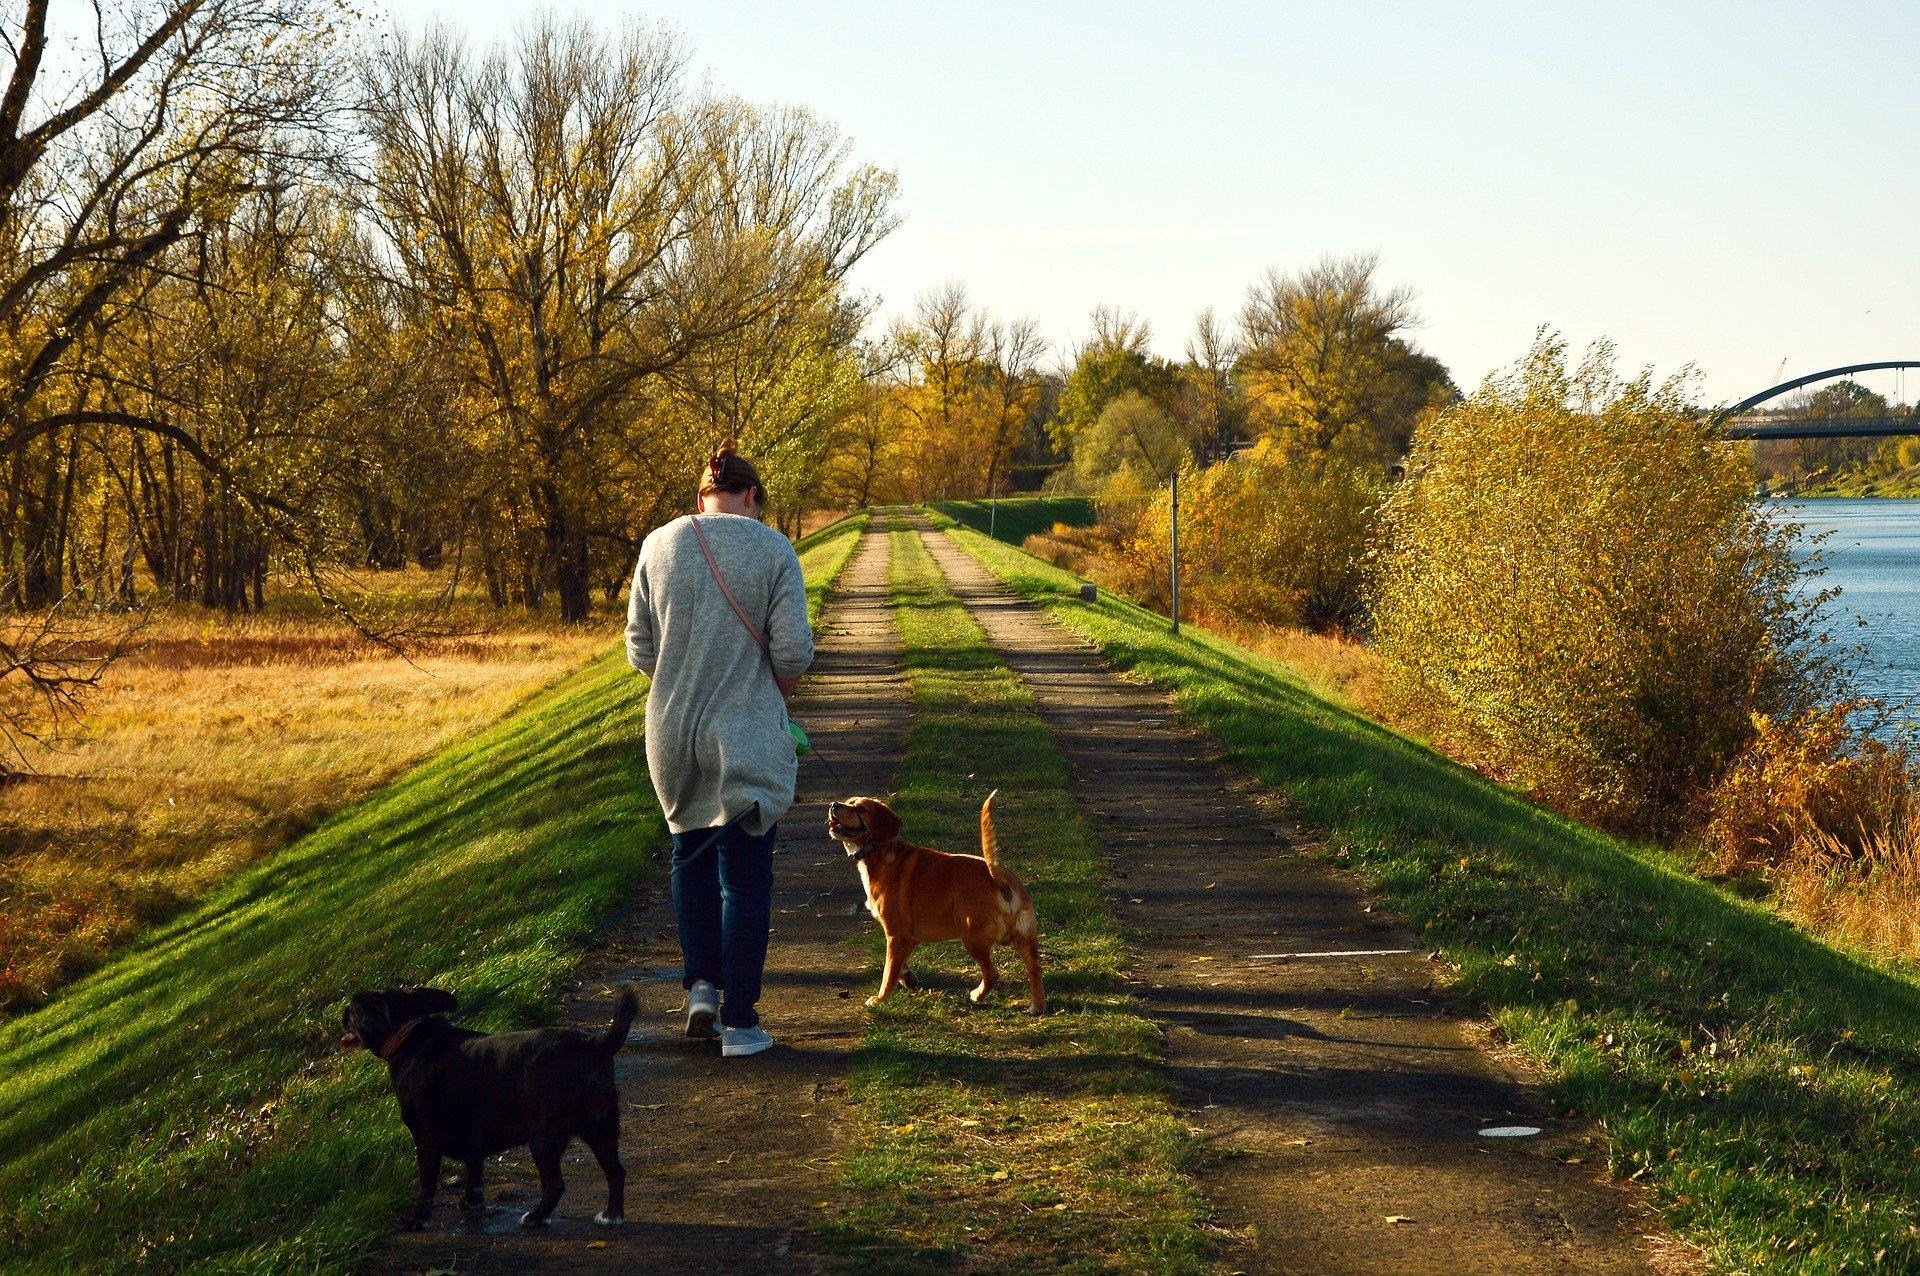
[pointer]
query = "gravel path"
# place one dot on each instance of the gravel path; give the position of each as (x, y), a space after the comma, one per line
(1342, 1095)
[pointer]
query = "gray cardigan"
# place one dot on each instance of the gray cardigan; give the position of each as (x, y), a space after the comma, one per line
(717, 737)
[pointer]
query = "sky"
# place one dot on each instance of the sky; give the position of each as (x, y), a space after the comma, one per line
(1733, 186)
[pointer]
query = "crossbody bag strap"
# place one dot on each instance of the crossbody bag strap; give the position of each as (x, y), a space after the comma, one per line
(714, 567)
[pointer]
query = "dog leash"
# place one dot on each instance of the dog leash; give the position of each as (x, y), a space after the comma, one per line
(712, 839)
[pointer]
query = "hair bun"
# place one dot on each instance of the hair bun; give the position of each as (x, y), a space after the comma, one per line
(728, 471)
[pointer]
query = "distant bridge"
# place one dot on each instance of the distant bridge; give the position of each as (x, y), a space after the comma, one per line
(1741, 422)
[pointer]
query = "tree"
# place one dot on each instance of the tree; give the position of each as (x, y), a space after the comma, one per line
(1211, 402)
(964, 387)
(178, 111)
(942, 397)
(783, 389)
(1326, 368)
(581, 226)
(127, 142)
(1134, 447)
(859, 467)
(1115, 360)
(1012, 353)
(1265, 539)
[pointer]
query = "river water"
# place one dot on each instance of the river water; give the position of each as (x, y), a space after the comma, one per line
(1873, 556)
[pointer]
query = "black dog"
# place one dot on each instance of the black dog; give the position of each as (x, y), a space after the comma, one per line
(469, 1096)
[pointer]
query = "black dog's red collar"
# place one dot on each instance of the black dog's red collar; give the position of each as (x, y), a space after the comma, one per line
(398, 1037)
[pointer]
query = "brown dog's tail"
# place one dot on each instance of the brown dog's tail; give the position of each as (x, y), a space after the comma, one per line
(989, 844)
(626, 1008)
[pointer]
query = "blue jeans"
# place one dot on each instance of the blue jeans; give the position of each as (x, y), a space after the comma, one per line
(723, 900)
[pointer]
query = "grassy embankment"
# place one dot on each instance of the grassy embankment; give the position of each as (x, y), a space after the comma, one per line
(220, 739)
(1764, 1085)
(1019, 517)
(184, 1106)
(981, 1135)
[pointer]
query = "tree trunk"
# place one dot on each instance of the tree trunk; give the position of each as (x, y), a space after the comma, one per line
(572, 578)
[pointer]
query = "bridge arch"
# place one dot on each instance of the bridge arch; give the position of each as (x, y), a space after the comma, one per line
(1739, 426)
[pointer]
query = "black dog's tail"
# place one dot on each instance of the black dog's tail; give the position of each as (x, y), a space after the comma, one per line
(625, 1009)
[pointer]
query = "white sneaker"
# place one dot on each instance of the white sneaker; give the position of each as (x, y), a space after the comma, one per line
(703, 1007)
(738, 1041)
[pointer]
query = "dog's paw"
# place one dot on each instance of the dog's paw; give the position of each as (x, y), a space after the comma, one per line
(873, 1001)
(1036, 1011)
(528, 1220)
(609, 1220)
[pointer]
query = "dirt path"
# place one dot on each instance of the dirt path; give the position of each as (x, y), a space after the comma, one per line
(725, 1157)
(1343, 1095)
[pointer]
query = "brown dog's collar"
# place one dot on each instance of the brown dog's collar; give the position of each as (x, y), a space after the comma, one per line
(398, 1037)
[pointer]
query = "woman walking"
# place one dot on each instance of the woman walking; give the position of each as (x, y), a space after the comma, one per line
(718, 620)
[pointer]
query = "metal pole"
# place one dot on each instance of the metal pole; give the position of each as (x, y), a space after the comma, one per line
(993, 513)
(1176, 551)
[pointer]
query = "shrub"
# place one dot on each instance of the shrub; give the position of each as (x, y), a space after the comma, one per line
(1266, 539)
(1815, 789)
(1579, 593)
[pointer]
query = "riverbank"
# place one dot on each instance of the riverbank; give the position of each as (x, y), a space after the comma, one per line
(1853, 487)
(1871, 556)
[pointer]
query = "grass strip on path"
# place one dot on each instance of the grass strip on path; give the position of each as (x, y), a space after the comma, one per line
(185, 1106)
(1765, 1085)
(979, 1134)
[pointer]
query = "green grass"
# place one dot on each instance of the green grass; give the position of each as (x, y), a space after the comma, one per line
(1904, 485)
(823, 555)
(1762, 1084)
(185, 1105)
(1020, 516)
(980, 1135)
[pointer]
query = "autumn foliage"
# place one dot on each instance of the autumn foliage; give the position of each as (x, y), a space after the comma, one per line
(1266, 540)
(1578, 592)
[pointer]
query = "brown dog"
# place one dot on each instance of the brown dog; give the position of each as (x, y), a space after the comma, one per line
(921, 896)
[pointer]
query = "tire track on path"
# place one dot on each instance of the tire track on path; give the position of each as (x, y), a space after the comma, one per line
(727, 1159)
(1341, 1096)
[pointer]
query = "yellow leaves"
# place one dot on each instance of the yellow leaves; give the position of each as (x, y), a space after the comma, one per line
(1576, 593)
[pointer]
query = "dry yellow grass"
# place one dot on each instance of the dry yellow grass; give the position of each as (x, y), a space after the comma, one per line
(221, 739)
